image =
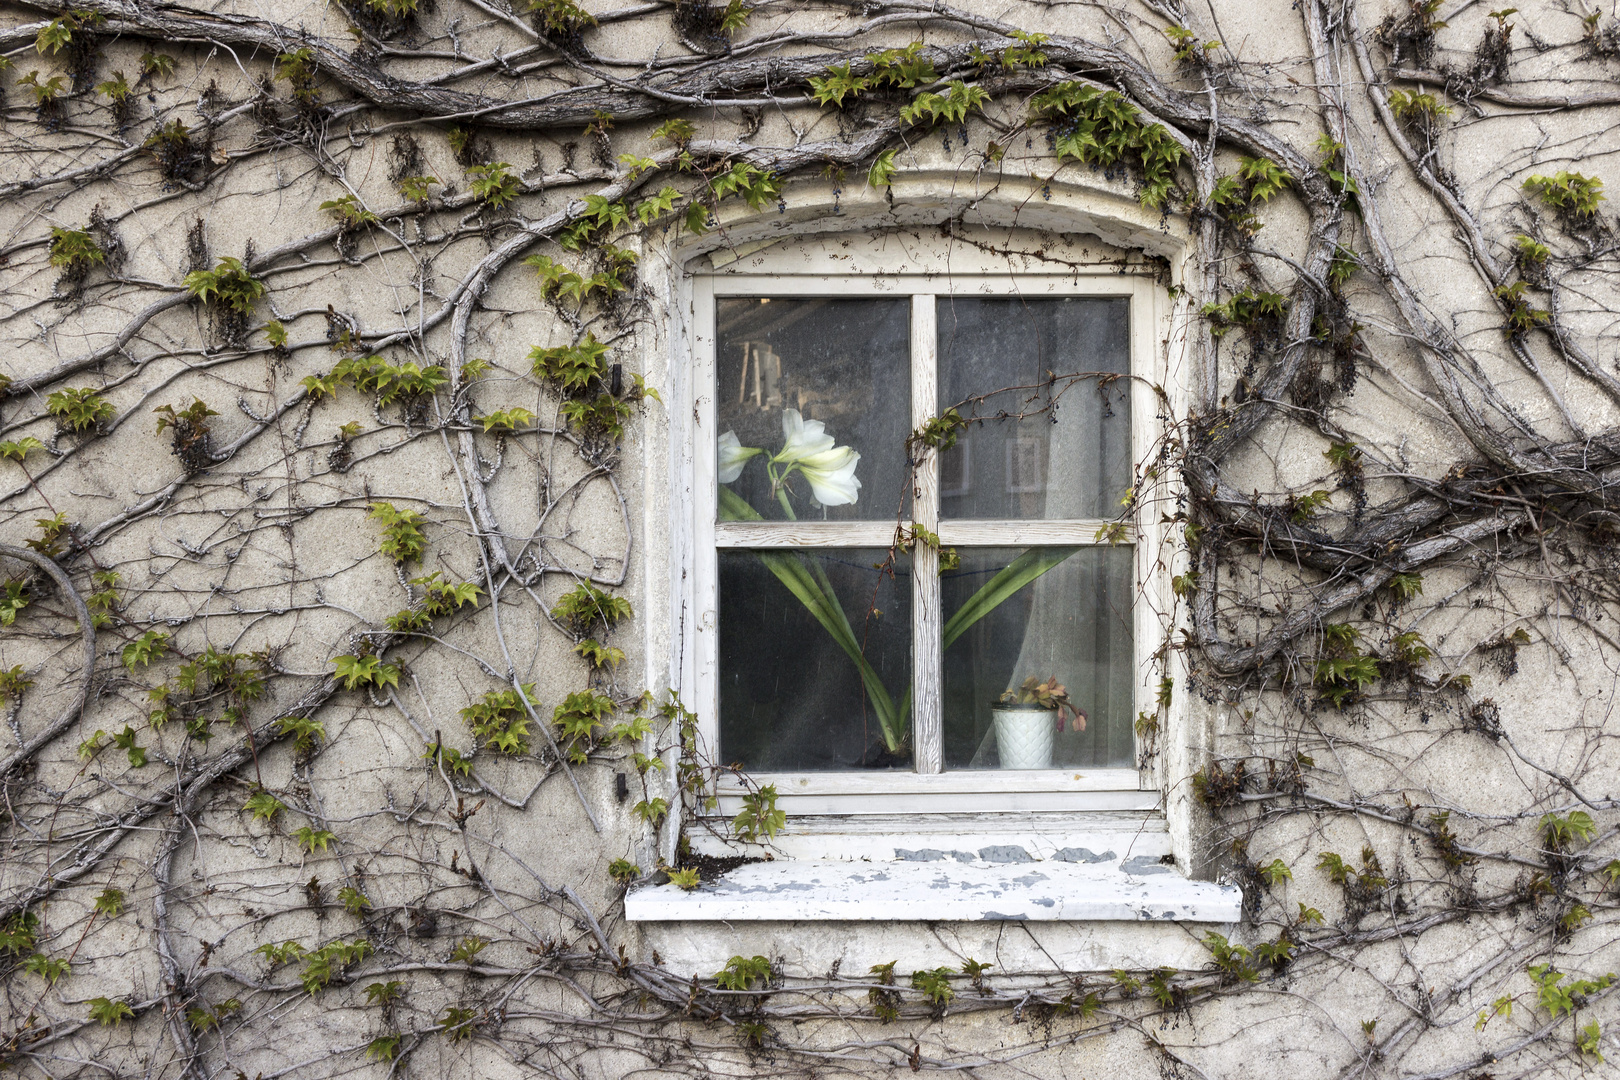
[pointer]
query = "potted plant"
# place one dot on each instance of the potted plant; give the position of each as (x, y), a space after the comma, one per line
(1027, 718)
(829, 469)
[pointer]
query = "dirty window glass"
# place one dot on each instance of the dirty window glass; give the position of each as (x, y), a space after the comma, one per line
(1044, 451)
(817, 685)
(813, 642)
(813, 405)
(1071, 625)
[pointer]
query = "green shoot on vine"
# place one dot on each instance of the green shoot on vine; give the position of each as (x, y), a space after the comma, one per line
(80, 409)
(47, 968)
(759, 818)
(45, 93)
(450, 758)
(494, 183)
(155, 64)
(264, 806)
(349, 212)
(1569, 193)
(75, 250)
(882, 172)
(950, 107)
(108, 1012)
(13, 598)
(384, 993)
(20, 449)
(12, 680)
(500, 720)
(1100, 127)
(306, 731)
(578, 720)
(312, 839)
(283, 953)
(934, 985)
(126, 740)
(367, 670)
(506, 421)
(560, 18)
(585, 606)
(599, 656)
(740, 973)
(403, 539)
(228, 283)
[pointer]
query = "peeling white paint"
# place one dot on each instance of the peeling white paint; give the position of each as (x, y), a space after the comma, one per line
(944, 890)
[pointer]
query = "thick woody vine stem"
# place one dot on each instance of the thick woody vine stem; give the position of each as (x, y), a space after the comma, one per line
(87, 628)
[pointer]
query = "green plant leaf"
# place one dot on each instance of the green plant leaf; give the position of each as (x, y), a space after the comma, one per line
(47, 968)
(264, 806)
(1021, 572)
(312, 839)
(107, 1011)
(881, 175)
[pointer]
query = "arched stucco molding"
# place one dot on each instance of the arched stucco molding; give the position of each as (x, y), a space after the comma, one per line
(1075, 200)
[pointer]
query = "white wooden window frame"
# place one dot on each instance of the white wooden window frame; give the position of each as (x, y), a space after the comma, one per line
(929, 788)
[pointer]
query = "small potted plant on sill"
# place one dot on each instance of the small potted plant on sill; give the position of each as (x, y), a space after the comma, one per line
(1027, 718)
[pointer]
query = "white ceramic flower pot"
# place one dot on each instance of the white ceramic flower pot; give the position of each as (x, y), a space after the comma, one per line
(1024, 736)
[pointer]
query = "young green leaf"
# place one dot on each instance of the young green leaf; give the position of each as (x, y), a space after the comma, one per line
(48, 968)
(312, 839)
(357, 671)
(106, 1011)
(144, 649)
(264, 806)
(883, 170)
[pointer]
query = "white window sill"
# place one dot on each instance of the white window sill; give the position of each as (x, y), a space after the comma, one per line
(1030, 904)
(943, 889)
(1029, 892)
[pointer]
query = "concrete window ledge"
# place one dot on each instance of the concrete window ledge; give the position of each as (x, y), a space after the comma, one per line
(817, 917)
(942, 890)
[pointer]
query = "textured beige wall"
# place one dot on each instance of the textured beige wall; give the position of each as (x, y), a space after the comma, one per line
(271, 551)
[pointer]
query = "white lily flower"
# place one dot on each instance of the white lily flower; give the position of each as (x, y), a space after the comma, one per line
(802, 438)
(733, 456)
(833, 483)
(830, 469)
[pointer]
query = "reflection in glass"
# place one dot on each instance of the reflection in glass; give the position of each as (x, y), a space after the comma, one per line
(815, 660)
(1073, 622)
(1072, 461)
(813, 405)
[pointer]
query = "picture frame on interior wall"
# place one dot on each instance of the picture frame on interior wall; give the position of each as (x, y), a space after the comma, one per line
(1025, 465)
(956, 474)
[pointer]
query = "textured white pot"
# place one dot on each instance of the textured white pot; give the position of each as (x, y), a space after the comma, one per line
(1024, 736)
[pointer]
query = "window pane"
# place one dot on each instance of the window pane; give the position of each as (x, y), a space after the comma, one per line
(807, 382)
(791, 696)
(1072, 622)
(1072, 461)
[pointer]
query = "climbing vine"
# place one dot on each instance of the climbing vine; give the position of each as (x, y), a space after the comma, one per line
(322, 425)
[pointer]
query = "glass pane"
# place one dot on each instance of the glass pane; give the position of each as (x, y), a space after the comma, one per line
(792, 696)
(820, 391)
(1072, 460)
(1070, 621)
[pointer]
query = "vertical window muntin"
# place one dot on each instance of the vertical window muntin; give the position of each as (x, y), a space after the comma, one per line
(933, 766)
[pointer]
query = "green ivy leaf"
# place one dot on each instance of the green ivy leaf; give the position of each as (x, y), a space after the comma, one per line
(881, 175)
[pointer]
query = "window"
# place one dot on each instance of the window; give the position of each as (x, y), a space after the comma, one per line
(854, 673)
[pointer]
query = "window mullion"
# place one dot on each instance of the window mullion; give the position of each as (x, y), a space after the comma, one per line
(926, 625)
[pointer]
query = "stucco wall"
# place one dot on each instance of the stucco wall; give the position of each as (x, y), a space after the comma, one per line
(266, 550)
